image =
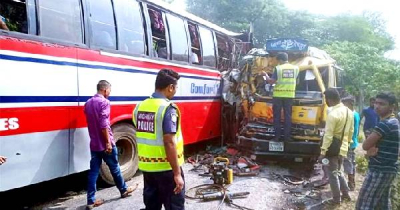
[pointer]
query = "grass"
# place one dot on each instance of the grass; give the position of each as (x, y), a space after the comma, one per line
(362, 164)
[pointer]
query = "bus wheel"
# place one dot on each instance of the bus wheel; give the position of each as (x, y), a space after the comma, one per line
(125, 138)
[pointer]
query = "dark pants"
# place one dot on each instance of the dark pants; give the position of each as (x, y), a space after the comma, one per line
(286, 104)
(95, 164)
(336, 178)
(159, 190)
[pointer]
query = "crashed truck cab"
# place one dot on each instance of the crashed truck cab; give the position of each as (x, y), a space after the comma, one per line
(253, 96)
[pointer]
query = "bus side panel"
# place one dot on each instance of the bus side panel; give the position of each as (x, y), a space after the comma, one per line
(38, 92)
(33, 158)
(200, 121)
(79, 142)
(132, 81)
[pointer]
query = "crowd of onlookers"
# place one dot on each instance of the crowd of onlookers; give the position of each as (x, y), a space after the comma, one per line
(381, 144)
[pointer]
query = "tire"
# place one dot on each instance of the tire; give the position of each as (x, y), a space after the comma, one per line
(125, 140)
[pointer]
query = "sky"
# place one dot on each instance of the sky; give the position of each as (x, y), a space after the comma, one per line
(388, 9)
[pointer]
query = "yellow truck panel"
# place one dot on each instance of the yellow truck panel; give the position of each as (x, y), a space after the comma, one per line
(305, 115)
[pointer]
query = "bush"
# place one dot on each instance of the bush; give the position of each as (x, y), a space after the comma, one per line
(362, 164)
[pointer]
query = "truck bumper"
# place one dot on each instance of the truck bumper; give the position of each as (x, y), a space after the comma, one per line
(293, 149)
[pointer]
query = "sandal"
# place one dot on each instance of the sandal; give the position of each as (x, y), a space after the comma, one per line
(97, 202)
(128, 191)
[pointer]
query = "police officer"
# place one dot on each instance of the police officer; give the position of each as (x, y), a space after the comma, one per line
(160, 145)
(284, 78)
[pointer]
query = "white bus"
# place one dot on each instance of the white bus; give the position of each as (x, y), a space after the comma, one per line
(56, 51)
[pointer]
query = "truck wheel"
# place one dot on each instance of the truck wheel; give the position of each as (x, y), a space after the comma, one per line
(125, 139)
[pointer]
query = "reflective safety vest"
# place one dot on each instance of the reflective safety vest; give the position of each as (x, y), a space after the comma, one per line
(148, 118)
(285, 86)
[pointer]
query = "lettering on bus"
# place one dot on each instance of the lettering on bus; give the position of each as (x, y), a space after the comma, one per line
(8, 124)
(145, 122)
(204, 89)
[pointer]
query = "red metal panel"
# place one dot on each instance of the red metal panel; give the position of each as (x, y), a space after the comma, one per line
(200, 120)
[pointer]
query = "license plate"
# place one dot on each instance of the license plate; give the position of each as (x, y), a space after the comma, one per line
(276, 146)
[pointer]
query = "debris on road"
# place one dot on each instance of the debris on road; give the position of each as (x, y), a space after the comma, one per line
(240, 165)
(211, 192)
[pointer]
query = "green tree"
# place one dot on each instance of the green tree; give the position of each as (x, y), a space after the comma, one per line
(268, 16)
(357, 42)
(272, 19)
(367, 69)
(358, 29)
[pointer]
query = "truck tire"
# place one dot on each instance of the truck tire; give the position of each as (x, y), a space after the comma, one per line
(125, 140)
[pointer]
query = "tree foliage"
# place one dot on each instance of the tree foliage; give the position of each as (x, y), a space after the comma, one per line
(351, 28)
(366, 68)
(357, 42)
(237, 15)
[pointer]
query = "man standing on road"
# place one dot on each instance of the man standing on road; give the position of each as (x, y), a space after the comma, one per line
(102, 145)
(371, 118)
(284, 78)
(382, 147)
(338, 132)
(160, 145)
(349, 163)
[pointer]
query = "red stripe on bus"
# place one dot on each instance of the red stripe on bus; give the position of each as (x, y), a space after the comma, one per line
(36, 47)
(200, 120)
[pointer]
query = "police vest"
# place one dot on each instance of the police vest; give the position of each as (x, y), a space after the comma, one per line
(148, 117)
(285, 86)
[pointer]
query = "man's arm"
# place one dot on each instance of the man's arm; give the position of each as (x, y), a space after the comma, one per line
(104, 114)
(379, 132)
(328, 135)
(356, 125)
(351, 131)
(172, 154)
(274, 77)
(2, 160)
(371, 141)
(3, 25)
(170, 127)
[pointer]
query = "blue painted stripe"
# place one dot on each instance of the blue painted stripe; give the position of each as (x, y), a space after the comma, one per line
(38, 99)
(81, 65)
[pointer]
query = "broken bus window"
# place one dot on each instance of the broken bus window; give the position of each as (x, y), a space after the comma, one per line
(14, 14)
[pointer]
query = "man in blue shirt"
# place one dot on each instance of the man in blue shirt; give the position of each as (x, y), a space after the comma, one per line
(349, 163)
(371, 118)
(382, 147)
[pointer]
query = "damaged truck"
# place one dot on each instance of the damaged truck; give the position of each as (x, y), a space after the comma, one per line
(248, 114)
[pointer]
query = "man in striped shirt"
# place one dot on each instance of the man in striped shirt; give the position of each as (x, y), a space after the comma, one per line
(382, 147)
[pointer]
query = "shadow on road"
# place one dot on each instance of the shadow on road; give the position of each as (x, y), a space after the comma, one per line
(30, 196)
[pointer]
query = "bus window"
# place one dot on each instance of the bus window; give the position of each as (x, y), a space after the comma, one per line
(61, 22)
(178, 37)
(130, 27)
(102, 24)
(195, 41)
(224, 52)
(158, 32)
(14, 16)
(208, 47)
